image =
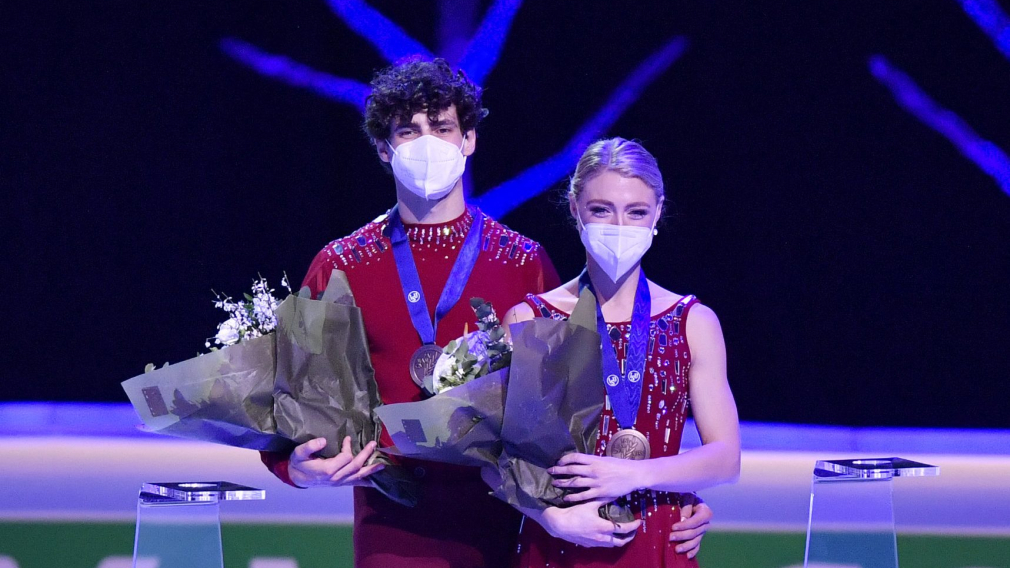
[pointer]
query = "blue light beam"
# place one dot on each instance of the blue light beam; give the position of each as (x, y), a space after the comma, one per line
(392, 42)
(296, 74)
(485, 46)
(993, 21)
(535, 180)
(989, 157)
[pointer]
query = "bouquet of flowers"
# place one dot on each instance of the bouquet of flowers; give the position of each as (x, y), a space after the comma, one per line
(473, 355)
(287, 372)
(255, 317)
(517, 421)
(461, 421)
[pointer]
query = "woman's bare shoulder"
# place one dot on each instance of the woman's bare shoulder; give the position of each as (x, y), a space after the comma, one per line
(563, 297)
(519, 312)
(662, 299)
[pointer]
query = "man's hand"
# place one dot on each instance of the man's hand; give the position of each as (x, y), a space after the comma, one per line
(695, 515)
(343, 469)
(581, 524)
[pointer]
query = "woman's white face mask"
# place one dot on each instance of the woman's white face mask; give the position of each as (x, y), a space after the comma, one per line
(616, 248)
(428, 166)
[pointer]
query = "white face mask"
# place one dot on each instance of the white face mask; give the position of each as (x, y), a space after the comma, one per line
(428, 166)
(616, 248)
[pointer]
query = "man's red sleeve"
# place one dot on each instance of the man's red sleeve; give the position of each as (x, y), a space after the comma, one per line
(277, 463)
(318, 275)
(547, 278)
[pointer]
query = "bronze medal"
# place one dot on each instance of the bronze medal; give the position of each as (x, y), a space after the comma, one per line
(628, 444)
(422, 362)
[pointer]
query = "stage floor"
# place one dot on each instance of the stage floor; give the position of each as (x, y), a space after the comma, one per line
(84, 464)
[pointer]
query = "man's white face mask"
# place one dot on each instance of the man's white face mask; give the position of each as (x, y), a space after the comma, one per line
(616, 248)
(428, 166)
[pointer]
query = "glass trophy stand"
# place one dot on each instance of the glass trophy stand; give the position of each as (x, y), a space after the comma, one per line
(179, 524)
(851, 523)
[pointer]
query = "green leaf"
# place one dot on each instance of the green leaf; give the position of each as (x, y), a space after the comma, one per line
(149, 367)
(248, 296)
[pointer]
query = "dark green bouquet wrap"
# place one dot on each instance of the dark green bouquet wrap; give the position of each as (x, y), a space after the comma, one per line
(311, 377)
(517, 422)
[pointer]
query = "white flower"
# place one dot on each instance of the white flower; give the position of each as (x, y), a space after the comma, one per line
(262, 307)
(443, 368)
(476, 342)
(448, 367)
(249, 318)
(228, 332)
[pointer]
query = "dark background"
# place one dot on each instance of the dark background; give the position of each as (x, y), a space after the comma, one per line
(858, 262)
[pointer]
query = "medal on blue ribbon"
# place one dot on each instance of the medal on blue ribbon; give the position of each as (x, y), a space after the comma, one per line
(625, 388)
(422, 362)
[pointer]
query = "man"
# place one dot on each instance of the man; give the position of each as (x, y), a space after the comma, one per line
(408, 271)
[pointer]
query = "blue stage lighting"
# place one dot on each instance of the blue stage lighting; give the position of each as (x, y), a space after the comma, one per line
(484, 48)
(989, 157)
(479, 59)
(390, 39)
(993, 21)
(535, 180)
(278, 67)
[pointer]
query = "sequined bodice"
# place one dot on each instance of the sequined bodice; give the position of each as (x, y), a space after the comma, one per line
(663, 407)
(661, 416)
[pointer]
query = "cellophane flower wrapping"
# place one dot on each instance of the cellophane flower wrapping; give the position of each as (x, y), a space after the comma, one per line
(460, 425)
(553, 405)
(311, 377)
(225, 396)
(517, 422)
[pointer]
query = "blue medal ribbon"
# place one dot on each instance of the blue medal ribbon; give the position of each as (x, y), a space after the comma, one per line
(625, 388)
(410, 282)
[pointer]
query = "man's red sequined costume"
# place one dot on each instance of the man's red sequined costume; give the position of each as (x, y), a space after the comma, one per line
(457, 523)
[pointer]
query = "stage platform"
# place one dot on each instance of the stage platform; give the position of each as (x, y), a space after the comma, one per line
(81, 465)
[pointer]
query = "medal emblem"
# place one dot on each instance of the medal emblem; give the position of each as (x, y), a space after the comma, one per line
(634, 376)
(422, 362)
(628, 444)
(613, 380)
(414, 296)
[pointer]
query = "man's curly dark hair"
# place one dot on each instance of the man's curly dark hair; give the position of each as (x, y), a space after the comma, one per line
(403, 90)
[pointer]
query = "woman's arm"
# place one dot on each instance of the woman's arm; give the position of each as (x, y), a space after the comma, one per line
(716, 461)
(517, 313)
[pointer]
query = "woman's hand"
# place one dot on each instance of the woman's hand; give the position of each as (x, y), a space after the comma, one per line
(342, 469)
(695, 515)
(581, 524)
(603, 477)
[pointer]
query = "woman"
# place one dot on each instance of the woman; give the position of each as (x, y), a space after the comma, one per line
(660, 350)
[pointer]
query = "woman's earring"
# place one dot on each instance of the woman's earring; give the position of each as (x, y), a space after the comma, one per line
(655, 232)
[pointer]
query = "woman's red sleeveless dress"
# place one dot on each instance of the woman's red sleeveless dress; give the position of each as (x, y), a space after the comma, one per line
(661, 418)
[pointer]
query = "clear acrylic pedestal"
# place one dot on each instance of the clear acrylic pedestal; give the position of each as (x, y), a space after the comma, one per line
(851, 523)
(179, 524)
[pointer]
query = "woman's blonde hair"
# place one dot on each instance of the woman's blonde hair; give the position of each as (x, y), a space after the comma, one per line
(625, 157)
